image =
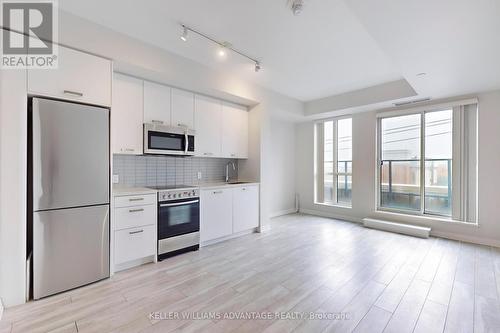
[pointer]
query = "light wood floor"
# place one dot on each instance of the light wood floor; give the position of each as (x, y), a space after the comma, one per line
(383, 281)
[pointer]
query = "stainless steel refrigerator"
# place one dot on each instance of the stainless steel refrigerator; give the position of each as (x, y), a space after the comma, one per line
(70, 195)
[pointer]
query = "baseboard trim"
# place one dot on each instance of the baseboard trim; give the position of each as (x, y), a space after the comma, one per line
(331, 215)
(466, 239)
(434, 233)
(283, 212)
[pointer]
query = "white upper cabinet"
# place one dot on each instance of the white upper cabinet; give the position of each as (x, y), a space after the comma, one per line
(234, 131)
(208, 126)
(127, 115)
(157, 103)
(182, 108)
(79, 77)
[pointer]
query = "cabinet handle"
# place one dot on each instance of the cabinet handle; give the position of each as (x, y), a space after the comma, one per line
(208, 154)
(217, 192)
(135, 199)
(75, 93)
(128, 149)
(136, 232)
(182, 125)
(233, 155)
(243, 188)
(157, 121)
(136, 210)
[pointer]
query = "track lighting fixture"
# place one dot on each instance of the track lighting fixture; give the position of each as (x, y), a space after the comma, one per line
(257, 66)
(297, 6)
(184, 35)
(223, 47)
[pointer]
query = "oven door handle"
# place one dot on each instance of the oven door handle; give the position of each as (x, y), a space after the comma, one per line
(186, 142)
(180, 203)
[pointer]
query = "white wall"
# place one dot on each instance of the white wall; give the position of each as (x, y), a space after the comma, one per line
(13, 143)
(364, 176)
(282, 170)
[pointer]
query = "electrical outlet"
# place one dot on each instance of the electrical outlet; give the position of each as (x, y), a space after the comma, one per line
(116, 179)
(199, 175)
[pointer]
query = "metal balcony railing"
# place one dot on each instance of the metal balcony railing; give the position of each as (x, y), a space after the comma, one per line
(392, 193)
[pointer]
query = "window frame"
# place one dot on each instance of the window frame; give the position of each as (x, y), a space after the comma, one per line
(317, 154)
(422, 111)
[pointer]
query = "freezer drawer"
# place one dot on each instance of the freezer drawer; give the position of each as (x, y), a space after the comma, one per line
(70, 155)
(70, 248)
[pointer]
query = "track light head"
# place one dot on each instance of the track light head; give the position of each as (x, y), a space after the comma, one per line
(297, 6)
(184, 36)
(257, 66)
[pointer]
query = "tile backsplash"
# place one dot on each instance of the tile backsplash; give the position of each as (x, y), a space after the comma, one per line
(166, 171)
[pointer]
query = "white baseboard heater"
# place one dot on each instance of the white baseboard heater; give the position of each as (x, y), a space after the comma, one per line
(399, 228)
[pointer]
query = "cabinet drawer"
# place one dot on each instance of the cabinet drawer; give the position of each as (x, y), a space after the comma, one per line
(80, 77)
(135, 200)
(134, 243)
(135, 216)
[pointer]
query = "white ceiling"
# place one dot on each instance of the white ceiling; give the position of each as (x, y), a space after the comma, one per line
(456, 42)
(333, 47)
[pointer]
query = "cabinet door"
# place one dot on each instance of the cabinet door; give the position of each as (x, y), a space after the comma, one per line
(182, 108)
(80, 77)
(245, 208)
(208, 126)
(234, 131)
(157, 107)
(127, 115)
(216, 214)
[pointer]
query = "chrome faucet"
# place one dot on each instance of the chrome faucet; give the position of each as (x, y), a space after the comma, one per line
(227, 170)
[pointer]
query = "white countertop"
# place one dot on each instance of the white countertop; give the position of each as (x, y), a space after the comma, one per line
(119, 191)
(225, 185)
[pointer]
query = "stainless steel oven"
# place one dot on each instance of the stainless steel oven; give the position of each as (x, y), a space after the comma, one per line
(166, 140)
(178, 220)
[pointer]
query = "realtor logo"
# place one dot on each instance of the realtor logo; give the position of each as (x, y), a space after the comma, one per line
(29, 34)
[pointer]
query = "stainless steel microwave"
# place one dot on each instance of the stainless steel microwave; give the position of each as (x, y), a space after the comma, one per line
(167, 140)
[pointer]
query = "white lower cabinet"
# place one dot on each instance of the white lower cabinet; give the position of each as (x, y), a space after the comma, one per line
(134, 243)
(216, 214)
(228, 211)
(245, 208)
(134, 230)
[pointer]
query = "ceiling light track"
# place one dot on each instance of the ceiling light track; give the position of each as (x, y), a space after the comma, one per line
(222, 45)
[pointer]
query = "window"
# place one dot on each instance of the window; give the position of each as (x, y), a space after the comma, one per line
(334, 162)
(427, 163)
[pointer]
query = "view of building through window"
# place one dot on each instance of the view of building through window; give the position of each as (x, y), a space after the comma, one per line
(400, 164)
(337, 161)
